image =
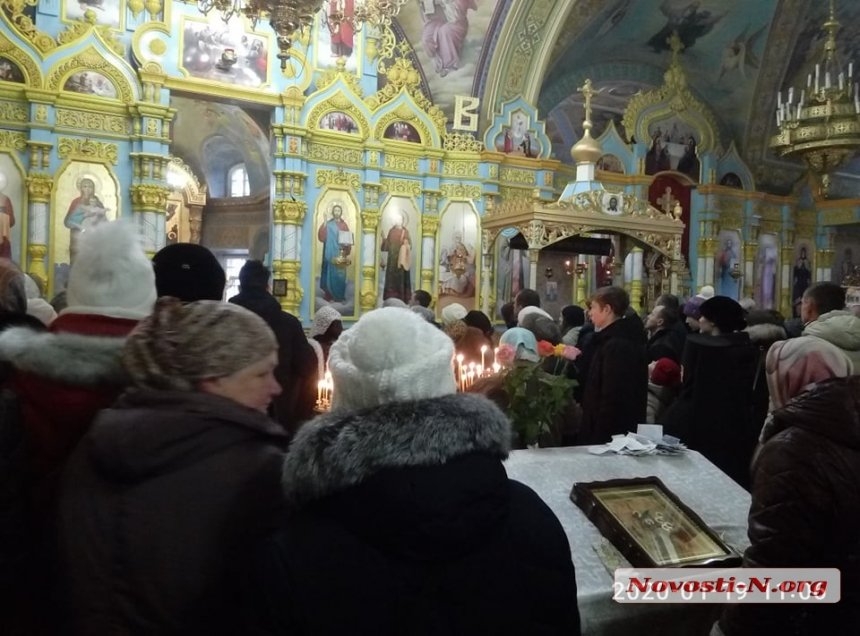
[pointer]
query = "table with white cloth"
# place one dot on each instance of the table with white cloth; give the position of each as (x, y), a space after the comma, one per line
(715, 497)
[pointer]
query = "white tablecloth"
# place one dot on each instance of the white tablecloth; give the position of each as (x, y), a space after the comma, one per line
(715, 497)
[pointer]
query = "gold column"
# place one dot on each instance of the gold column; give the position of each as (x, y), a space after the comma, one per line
(369, 295)
(39, 187)
(636, 283)
(288, 219)
(581, 297)
(429, 225)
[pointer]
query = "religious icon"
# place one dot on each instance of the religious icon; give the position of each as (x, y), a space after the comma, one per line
(336, 282)
(397, 249)
(458, 253)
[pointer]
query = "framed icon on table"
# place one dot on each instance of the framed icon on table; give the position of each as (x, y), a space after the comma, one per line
(651, 526)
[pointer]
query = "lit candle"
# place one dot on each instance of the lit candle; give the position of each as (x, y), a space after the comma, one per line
(496, 350)
(842, 81)
(496, 367)
(809, 81)
(827, 79)
(791, 94)
(850, 70)
(483, 351)
(320, 392)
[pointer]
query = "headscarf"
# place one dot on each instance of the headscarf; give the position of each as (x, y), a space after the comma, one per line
(796, 365)
(323, 319)
(452, 313)
(523, 341)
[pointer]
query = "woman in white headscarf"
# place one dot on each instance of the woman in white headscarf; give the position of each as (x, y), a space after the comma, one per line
(805, 509)
(326, 329)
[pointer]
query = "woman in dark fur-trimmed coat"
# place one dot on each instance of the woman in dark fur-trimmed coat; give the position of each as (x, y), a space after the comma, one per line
(404, 518)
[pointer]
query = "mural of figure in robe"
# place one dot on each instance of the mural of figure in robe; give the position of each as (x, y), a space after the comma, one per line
(458, 267)
(85, 211)
(343, 33)
(7, 220)
(337, 241)
(446, 25)
(397, 249)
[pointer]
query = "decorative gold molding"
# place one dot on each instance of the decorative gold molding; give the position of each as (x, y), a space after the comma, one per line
(401, 186)
(39, 187)
(31, 70)
(331, 75)
(460, 168)
(148, 197)
(673, 98)
(12, 140)
(14, 10)
(838, 216)
(80, 29)
(429, 225)
(13, 112)
(290, 270)
(341, 102)
(88, 120)
(461, 191)
(338, 177)
(370, 220)
(403, 112)
(289, 212)
(462, 142)
(770, 226)
(327, 153)
(90, 60)
(87, 150)
(402, 76)
(401, 163)
(516, 176)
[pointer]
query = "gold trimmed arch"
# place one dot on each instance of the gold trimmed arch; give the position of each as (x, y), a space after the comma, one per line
(403, 113)
(339, 102)
(90, 60)
(29, 67)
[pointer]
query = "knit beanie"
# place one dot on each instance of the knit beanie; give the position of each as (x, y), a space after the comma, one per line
(666, 372)
(323, 319)
(180, 344)
(111, 275)
(692, 307)
(188, 272)
(390, 355)
(452, 313)
(726, 313)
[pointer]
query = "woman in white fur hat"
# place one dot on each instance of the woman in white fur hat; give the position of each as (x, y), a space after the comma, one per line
(403, 516)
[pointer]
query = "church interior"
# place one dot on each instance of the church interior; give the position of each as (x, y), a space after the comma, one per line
(466, 148)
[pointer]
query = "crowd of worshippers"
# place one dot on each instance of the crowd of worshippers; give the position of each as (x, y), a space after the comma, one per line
(163, 469)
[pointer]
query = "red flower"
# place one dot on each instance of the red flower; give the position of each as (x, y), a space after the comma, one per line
(545, 349)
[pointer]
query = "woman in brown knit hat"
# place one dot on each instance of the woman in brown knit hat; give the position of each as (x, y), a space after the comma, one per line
(170, 485)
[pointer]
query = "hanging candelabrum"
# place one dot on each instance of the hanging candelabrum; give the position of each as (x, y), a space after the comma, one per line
(821, 122)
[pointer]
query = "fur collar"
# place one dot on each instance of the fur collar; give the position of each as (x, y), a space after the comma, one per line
(339, 450)
(64, 357)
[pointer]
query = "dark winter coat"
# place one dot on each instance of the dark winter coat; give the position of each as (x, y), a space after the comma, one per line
(407, 523)
(62, 379)
(297, 364)
(715, 410)
(666, 343)
(616, 387)
(158, 504)
(806, 510)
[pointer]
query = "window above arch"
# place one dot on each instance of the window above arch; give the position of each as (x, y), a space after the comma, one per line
(237, 181)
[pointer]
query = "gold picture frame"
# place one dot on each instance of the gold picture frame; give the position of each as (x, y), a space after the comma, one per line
(650, 526)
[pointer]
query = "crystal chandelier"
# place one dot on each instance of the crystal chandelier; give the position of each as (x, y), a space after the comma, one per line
(822, 125)
(286, 17)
